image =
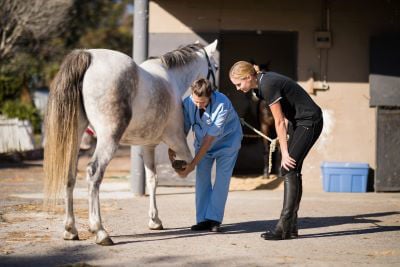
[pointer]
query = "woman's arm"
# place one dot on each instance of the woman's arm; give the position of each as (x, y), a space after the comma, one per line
(205, 145)
(281, 129)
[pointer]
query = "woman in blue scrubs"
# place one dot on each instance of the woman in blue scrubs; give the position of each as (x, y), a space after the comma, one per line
(217, 137)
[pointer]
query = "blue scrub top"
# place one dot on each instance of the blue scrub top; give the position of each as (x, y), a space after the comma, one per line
(219, 120)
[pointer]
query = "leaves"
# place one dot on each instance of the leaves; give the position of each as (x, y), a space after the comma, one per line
(16, 109)
(36, 35)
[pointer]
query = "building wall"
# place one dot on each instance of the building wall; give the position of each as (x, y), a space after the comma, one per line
(349, 131)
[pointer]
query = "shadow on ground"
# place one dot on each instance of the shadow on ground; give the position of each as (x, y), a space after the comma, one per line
(66, 256)
(262, 225)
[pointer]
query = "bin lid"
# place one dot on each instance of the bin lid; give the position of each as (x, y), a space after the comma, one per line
(330, 164)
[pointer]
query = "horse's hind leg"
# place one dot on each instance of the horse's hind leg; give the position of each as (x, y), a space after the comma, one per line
(70, 231)
(105, 149)
(151, 181)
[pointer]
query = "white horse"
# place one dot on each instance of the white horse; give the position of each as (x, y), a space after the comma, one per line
(124, 103)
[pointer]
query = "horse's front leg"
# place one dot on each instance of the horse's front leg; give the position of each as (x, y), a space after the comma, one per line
(151, 182)
(95, 171)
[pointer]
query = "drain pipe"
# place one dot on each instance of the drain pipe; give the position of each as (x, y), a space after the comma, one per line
(140, 54)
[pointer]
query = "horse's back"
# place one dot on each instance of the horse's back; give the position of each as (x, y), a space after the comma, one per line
(109, 55)
(108, 69)
(109, 62)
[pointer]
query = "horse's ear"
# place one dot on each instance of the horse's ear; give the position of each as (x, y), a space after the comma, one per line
(211, 48)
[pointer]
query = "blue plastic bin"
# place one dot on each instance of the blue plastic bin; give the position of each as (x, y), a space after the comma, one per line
(344, 176)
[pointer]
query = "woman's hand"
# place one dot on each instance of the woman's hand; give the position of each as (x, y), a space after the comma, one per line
(186, 170)
(205, 145)
(287, 162)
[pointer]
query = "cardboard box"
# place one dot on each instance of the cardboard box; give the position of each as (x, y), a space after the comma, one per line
(344, 176)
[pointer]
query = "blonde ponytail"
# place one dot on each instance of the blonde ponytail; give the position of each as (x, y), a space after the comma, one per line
(241, 69)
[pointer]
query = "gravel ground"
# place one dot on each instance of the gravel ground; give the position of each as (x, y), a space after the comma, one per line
(336, 228)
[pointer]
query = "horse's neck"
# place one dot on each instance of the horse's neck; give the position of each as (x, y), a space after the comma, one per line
(184, 76)
(181, 77)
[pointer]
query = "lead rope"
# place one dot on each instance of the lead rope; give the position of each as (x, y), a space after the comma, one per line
(272, 145)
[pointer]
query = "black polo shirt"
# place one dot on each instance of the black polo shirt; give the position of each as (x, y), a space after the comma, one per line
(297, 106)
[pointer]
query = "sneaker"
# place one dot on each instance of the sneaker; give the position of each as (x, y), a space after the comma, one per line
(215, 226)
(201, 226)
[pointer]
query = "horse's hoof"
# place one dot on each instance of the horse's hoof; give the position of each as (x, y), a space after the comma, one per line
(155, 225)
(158, 227)
(105, 242)
(70, 236)
(178, 164)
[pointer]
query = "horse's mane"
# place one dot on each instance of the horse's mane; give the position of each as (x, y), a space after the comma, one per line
(180, 56)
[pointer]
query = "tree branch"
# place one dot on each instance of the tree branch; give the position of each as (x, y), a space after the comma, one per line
(30, 20)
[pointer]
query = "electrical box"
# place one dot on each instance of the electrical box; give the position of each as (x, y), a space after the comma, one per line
(322, 39)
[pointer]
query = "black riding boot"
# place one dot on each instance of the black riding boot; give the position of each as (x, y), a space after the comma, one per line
(283, 228)
(295, 230)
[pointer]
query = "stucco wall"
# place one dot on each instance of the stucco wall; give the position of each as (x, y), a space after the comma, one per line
(349, 132)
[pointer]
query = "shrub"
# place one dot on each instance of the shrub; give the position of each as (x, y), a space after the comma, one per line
(16, 109)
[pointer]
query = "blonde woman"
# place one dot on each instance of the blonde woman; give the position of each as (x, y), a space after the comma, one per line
(287, 101)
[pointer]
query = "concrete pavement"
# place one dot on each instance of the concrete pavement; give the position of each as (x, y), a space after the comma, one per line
(335, 228)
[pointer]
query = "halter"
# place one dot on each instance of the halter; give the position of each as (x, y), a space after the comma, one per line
(210, 71)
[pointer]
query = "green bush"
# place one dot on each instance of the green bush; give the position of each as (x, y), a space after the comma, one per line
(10, 86)
(15, 109)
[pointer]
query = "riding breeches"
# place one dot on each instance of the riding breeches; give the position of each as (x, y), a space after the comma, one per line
(301, 139)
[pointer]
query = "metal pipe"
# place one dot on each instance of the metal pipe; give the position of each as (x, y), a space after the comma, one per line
(140, 54)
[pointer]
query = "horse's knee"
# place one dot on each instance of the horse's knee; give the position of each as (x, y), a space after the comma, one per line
(92, 168)
(152, 181)
(95, 174)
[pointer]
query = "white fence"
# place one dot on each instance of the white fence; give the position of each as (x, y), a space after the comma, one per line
(15, 135)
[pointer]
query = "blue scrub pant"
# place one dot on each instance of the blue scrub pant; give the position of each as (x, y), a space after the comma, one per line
(210, 200)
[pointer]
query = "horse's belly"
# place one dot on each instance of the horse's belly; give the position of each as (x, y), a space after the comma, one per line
(138, 141)
(145, 135)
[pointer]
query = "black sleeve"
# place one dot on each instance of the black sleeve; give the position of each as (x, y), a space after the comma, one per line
(271, 91)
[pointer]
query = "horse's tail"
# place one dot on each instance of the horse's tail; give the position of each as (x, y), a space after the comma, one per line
(61, 142)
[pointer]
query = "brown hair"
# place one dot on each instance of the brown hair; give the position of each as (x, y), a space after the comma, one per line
(201, 87)
(241, 69)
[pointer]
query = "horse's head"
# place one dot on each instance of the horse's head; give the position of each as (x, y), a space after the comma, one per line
(189, 63)
(211, 67)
